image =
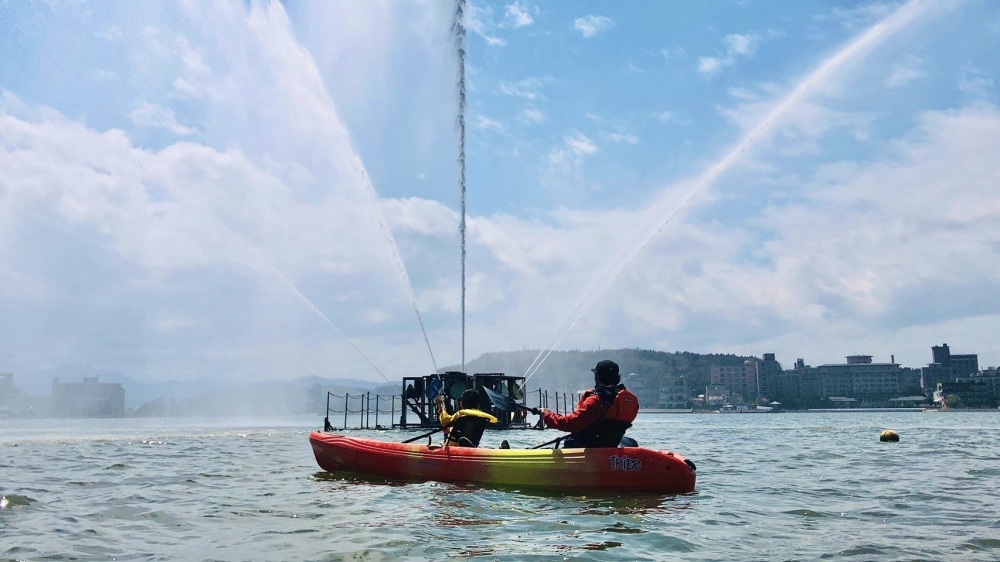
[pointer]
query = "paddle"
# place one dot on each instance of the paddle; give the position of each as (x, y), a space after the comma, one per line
(434, 387)
(556, 440)
(625, 442)
(428, 434)
(508, 404)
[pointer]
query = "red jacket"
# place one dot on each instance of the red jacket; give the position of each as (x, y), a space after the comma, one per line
(590, 409)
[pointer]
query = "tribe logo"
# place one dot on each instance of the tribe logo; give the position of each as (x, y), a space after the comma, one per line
(625, 463)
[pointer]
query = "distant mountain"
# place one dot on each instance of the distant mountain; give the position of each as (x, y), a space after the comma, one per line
(569, 371)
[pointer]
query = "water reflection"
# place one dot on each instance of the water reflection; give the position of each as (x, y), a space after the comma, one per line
(635, 505)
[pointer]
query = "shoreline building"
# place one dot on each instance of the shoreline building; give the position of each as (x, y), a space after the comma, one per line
(741, 380)
(8, 395)
(88, 399)
(777, 384)
(990, 377)
(947, 368)
(15, 403)
(675, 394)
(966, 393)
(771, 380)
(860, 378)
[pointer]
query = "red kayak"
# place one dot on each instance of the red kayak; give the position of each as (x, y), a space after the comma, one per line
(621, 469)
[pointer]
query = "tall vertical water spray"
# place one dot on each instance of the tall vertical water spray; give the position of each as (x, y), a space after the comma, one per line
(458, 31)
(664, 210)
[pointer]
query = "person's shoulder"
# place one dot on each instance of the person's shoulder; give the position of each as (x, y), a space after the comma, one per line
(627, 400)
(475, 412)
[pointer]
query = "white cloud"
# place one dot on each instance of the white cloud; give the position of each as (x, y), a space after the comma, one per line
(174, 52)
(626, 138)
(484, 123)
(517, 15)
(529, 88)
(709, 65)
(861, 15)
(744, 94)
(803, 126)
(665, 117)
(916, 222)
(580, 144)
(975, 83)
(479, 20)
(736, 45)
(413, 214)
(152, 115)
(673, 53)
(591, 25)
(531, 115)
(906, 72)
(565, 164)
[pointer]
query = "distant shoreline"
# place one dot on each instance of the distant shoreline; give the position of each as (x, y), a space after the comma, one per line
(825, 410)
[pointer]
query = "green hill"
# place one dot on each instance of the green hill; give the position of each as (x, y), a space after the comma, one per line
(569, 371)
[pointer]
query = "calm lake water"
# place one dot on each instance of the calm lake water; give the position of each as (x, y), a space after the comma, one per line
(770, 487)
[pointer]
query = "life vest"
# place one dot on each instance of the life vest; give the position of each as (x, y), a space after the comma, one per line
(625, 406)
(620, 408)
(619, 402)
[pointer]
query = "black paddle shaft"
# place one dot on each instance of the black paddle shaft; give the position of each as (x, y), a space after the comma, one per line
(419, 437)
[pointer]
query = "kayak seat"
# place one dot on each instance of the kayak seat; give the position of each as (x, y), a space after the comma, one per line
(603, 433)
(466, 431)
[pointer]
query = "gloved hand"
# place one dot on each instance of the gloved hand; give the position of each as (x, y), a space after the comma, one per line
(535, 411)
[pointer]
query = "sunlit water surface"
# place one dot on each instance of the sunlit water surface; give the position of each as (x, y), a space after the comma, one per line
(770, 487)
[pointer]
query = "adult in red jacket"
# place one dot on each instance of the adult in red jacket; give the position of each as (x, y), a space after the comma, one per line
(608, 400)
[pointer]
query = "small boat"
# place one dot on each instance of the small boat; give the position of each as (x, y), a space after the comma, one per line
(616, 469)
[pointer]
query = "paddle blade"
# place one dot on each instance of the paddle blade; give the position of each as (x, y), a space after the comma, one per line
(501, 401)
(434, 388)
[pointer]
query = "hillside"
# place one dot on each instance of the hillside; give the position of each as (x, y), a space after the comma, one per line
(569, 371)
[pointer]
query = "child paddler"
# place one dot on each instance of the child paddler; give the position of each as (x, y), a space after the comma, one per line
(465, 427)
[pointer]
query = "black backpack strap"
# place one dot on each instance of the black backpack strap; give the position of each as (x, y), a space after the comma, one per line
(467, 431)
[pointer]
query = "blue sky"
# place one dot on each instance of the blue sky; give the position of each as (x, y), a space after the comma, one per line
(266, 190)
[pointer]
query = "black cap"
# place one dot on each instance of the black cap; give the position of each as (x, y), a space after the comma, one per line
(607, 372)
